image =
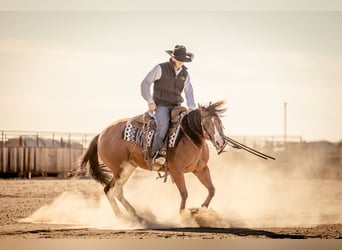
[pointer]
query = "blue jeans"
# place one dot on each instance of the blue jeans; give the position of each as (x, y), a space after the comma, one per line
(162, 119)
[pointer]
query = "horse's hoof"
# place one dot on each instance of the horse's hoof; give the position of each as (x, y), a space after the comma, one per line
(194, 210)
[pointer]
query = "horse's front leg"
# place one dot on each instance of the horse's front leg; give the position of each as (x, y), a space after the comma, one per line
(178, 178)
(205, 178)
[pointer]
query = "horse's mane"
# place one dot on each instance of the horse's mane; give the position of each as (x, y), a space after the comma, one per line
(191, 126)
(191, 122)
(216, 108)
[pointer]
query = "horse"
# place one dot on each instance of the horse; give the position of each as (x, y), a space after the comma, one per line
(120, 158)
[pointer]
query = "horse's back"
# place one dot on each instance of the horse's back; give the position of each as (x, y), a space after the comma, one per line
(111, 143)
(114, 128)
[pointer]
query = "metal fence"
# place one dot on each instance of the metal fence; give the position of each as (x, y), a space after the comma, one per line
(44, 139)
(41, 153)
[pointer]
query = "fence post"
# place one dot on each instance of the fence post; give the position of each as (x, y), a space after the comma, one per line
(2, 138)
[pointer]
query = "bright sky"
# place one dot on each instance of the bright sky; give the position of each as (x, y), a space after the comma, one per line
(80, 71)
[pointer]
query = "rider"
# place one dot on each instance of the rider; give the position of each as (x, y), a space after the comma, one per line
(169, 80)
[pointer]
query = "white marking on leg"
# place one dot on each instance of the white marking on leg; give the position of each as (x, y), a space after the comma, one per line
(127, 170)
(111, 198)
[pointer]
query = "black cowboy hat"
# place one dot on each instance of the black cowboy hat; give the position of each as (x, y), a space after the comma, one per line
(180, 54)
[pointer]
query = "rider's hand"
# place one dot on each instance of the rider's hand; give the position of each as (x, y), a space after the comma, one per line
(152, 106)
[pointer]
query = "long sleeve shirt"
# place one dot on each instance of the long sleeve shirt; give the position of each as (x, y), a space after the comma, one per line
(154, 75)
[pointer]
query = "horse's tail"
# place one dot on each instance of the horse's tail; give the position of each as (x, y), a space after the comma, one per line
(98, 171)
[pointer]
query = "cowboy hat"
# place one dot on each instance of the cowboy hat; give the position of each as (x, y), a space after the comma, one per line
(180, 54)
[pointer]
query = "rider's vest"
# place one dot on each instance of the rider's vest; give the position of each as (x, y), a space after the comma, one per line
(168, 89)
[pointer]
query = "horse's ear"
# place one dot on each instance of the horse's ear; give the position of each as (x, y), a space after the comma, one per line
(199, 106)
(201, 109)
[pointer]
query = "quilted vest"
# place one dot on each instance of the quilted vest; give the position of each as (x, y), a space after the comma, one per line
(168, 89)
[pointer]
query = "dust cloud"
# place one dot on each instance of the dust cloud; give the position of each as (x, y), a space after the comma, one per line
(77, 211)
(249, 193)
(295, 190)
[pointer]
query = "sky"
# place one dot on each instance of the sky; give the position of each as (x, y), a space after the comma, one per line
(78, 71)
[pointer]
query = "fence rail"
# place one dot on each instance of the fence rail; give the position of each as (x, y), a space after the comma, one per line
(45, 139)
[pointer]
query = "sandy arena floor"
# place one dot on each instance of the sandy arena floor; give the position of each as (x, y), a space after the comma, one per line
(75, 209)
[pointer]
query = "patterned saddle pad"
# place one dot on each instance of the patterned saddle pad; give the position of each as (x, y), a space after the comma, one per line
(136, 135)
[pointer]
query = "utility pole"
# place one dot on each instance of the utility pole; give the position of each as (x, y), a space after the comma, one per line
(285, 122)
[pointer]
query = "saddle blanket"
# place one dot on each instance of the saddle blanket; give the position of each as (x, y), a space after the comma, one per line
(136, 135)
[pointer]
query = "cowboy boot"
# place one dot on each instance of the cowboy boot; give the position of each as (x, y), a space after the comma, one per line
(160, 156)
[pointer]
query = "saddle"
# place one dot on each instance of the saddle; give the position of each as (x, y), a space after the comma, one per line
(145, 119)
(140, 130)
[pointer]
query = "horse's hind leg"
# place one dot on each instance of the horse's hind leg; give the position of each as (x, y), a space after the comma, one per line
(127, 170)
(205, 178)
(111, 198)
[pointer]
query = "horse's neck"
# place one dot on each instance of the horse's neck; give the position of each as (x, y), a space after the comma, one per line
(191, 125)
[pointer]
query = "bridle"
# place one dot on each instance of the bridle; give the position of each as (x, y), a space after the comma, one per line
(210, 137)
(194, 127)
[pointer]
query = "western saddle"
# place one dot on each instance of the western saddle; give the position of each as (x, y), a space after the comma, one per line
(145, 123)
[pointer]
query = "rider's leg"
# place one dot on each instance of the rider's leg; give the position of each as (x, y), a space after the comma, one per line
(162, 118)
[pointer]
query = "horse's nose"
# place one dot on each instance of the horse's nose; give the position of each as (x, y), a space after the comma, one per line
(219, 143)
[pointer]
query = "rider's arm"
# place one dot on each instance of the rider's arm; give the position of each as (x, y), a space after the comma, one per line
(189, 93)
(150, 78)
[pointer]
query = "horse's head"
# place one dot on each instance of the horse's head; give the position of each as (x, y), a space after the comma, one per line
(212, 125)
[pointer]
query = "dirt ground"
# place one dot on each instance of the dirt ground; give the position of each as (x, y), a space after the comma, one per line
(51, 208)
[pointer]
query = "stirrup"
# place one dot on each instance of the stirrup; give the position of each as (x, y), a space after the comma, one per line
(159, 158)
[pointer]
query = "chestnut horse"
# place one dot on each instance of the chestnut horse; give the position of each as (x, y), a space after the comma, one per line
(120, 158)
